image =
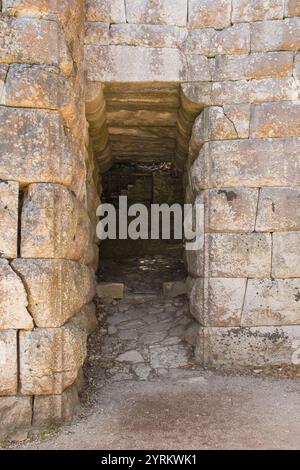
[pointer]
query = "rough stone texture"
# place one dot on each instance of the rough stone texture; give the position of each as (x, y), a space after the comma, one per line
(248, 163)
(272, 302)
(281, 35)
(232, 40)
(56, 289)
(15, 415)
(239, 255)
(159, 64)
(231, 210)
(209, 14)
(286, 255)
(222, 301)
(255, 10)
(97, 33)
(56, 409)
(54, 223)
(245, 347)
(86, 319)
(256, 65)
(28, 7)
(110, 290)
(174, 289)
(242, 91)
(172, 12)
(278, 210)
(147, 35)
(292, 8)
(40, 148)
(107, 11)
(32, 41)
(13, 300)
(8, 363)
(9, 203)
(50, 359)
(275, 120)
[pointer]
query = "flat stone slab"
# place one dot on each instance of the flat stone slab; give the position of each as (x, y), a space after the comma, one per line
(110, 290)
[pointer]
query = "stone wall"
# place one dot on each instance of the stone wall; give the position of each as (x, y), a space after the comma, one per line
(234, 60)
(47, 212)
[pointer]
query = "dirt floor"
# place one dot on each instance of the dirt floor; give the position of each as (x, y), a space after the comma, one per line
(188, 410)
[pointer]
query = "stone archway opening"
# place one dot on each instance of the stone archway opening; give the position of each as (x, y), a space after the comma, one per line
(140, 134)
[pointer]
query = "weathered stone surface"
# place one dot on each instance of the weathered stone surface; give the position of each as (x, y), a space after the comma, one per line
(8, 363)
(281, 35)
(174, 288)
(32, 41)
(195, 262)
(255, 10)
(28, 7)
(147, 35)
(50, 359)
(209, 14)
(165, 65)
(86, 319)
(272, 302)
(54, 223)
(292, 8)
(239, 255)
(3, 75)
(232, 40)
(35, 148)
(248, 347)
(247, 163)
(239, 115)
(231, 210)
(278, 210)
(56, 409)
(110, 290)
(13, 300)
(9, 203)
(212, 124)
(130, 356)
(56, 289)
(242, 91)
(107, 11)
(172, 12)
(286, 256)
(275, 119)
(198, 68)
(256, 65)
(297, 68)
(97, 33)
(15, 415)
(219, 301)
(168, 356)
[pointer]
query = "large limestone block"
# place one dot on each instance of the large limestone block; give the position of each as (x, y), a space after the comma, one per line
(15, 416)
(278, 210)
(35, 148)
(13, 300)
(172, 12)
(56, 289)
(239, 255)
(86, 319)
(242, 91)
(8, 363)
(247, 163)
(106, 11)
(272, 302)
(28, 7)
(232, 40)
(9, 203)
(286, 255)
(256, 65)
(56, 409)
(50, 359)
(275, 119)
(54, 223)
(33, 41)
(255, 10)
(209, 13)
(231, 210)
(217, 301)
(147, 35)
(159, 64)
(97, 33)
(198, 68)
(281, 35)
(248, 347)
